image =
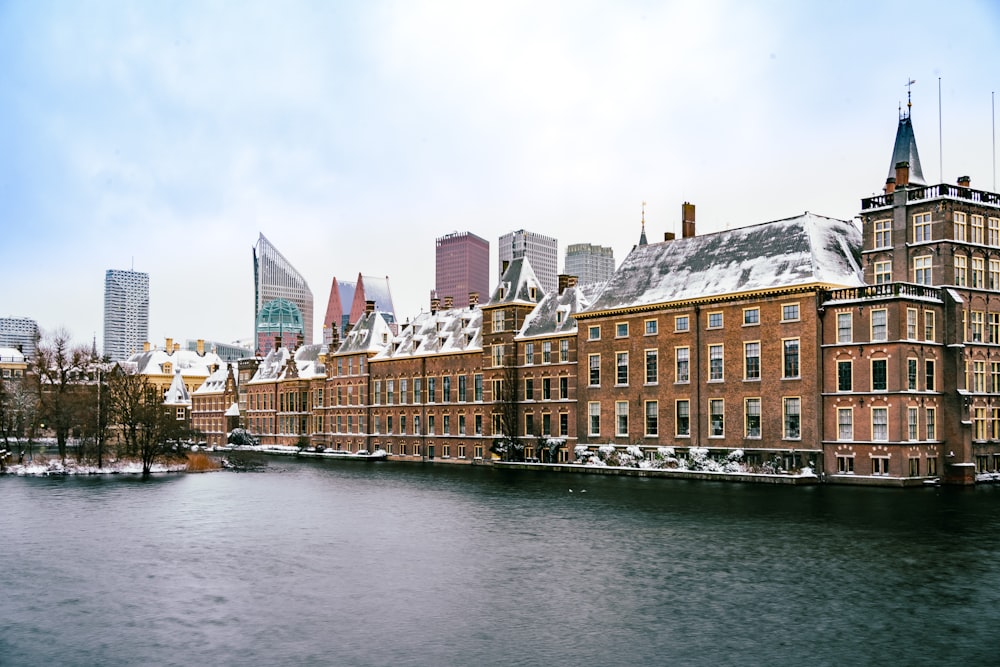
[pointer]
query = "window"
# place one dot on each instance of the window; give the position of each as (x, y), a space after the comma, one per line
(402, 424)
(793, 418)
(751, 361)
(529, 353)
(547, 424)
(791, 358)
(929, 325)
(621, 366)
(929, 375)
(790, 312)
(594, 412)
(715, 320)
(751, 317)
(563, 387)
(715, 363)
(650, 327)
(498, 320)
(497, 355)
(402, 392)
(879, 324)
(446, 425)
(931, 419)
(922, 270)
(921, 227)
(961, 271)
(462, 389)
(479, 424)
(377, 392)
(547, 352)
(993, 237)
(388, 424)
(845, 328)
(683, 361)
(390, 392)
(880, 465)
(845, 424)
(717, 418)
(546, 389)
(845, 464)
(461, 424)
(564, 350)
(883, 272)
(594, 361)
(477, 382)
(995, 377)
(563, 423)
(593, 333)
(911, 323)
(621, 330)
(529, 390)
(978, 274)
(621, 418)
(978, 227)
(751, 417)
(446, 389)
(979, 376)
(683, 418)
(914, 466)
(681, 323)
(960, 226)
(529, 424)
(432, 390)
(651, 365)
(652, 418)
(977, 324)
(418, 389)
(883, 233)
(880, 424)
(911, 423)
(879, 374)
(845, 376)
(911, 374)
(994, 328)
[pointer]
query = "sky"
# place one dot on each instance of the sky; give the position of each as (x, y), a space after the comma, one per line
(166, 136)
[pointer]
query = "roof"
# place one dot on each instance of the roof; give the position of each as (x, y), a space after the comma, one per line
(442, 332)
(805, 250)
(517, 284)
(216, 382)
(369, 335)
(177, 393)
(554, 314)
(189, 362)
(905, 150)
(277, 365)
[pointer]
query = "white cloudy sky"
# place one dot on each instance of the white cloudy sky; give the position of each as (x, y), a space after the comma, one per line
(166, 135)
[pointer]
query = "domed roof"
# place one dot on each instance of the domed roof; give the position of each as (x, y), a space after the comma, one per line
(280, 313)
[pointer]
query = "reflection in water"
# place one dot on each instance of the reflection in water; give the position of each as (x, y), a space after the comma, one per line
(356, 564)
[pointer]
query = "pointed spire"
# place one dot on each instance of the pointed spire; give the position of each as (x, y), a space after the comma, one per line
(905, 148)
(642, 236)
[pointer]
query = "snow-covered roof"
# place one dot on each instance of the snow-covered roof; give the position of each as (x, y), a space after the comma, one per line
(518, 284)
(189, 362)
(11, 355)
(371, 334)
(276, 365)
(216, 382)
(554, 314)
(441, 332)
(805, 250)
(177, 393)
(233, 411)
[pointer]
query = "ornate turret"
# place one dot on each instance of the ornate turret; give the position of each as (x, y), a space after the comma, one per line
(905, 148)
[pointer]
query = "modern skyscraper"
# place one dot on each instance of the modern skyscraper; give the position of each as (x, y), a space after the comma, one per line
(589, 263)
(542, 253)
(126, 313)
(19, 333)
(275, 278)
(462, 266)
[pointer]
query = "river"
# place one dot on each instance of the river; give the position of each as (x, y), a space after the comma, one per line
(346, 563)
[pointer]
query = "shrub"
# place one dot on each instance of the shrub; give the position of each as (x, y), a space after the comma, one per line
(200, 463)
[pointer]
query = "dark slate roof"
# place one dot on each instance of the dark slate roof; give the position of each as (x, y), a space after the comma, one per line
(805, 250)
(905, 150)
(517, 284)
(545, 319)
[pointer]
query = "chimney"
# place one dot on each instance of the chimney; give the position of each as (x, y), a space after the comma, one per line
(964, 181)
(890, 185)
(572, 281)
(563, 282)
(277, 342)
(369, 307)
(435, 304)
(902, 174)
(170, 345)
(473, 300)
(177, 346)
(687, 220)
(449, 302)
(145, 346)
(334, 337)
(669, 236)
(201, 347)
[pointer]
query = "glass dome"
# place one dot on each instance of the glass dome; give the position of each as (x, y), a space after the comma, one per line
(280, 315)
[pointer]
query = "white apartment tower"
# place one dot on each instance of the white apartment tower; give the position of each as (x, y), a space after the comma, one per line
(589, 263)
(542, 253)
(126, 313)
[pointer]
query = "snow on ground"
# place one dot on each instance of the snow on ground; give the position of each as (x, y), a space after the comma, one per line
(42, 467)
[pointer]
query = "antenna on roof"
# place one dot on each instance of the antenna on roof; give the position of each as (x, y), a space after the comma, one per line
(940, 139)
(993, 111)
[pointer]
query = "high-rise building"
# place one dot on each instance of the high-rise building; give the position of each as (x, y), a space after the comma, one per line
(348, 303)
(462, 266)
(589, 263)
(542, 253)
(19, 333)
(126, 313)
(275, 278)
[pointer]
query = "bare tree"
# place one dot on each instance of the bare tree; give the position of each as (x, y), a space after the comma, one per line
(18, 411)
(508, 446)
(148, 429)
(60, 368)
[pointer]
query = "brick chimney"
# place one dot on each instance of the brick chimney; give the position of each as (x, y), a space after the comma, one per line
(369, 307)
(902, 174)
(473, 300)
(890, 185)
(964, 181)
(669, 236)
(170, 345)
(449, 302)
(145, 346)
(435, 304)
(201, 347)
(687, 220)
(563, 282)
